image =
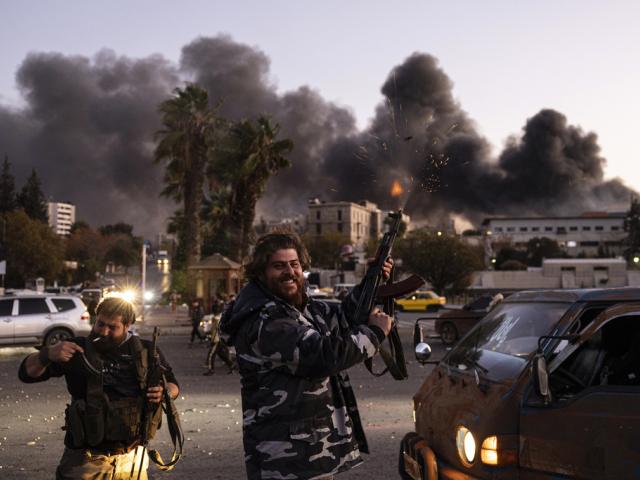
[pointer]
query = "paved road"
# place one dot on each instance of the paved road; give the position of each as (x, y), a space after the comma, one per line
(31, 417)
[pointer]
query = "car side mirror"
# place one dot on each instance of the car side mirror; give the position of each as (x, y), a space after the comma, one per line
(541, 377)
(423, 352)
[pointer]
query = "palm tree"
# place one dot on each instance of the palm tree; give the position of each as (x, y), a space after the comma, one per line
(243, 163)
(189, 127)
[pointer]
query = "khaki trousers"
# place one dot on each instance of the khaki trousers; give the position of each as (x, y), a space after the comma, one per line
(83, 465)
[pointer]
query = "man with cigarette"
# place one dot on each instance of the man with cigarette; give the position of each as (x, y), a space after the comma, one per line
(106, 375)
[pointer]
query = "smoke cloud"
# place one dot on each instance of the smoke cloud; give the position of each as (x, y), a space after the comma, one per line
(88, 127)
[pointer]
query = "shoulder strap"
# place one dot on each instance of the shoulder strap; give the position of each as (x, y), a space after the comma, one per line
(175, 431)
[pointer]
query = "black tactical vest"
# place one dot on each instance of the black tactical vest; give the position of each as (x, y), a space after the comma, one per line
(95, 420)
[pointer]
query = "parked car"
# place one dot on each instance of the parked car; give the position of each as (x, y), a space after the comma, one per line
(41, 319)
(57, 290)
(546, 386)
(421, 301)
(455, 323)
(341, 289)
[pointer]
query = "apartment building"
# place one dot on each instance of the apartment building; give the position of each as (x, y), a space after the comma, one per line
(586, 233)
(61, 217)
(357, 221)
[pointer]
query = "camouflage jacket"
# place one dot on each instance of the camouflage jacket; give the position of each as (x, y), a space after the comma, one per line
(300, 418)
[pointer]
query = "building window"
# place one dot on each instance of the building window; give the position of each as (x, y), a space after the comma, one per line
(318, 228)
(498, 229)
(523, 229)
(317, 214)
(339, 226)
(535, 229)
(599, 228)
(589, 244)
(615, 228)
(340, 216)
(573, 229)
(510, 229)
(586, 228)
(548, 229)
(561, 230)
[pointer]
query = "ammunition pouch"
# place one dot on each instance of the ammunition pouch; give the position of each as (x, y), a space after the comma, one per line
(113, 421)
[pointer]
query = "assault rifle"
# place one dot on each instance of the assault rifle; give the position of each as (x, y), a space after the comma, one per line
(149, 422)
(373, 293)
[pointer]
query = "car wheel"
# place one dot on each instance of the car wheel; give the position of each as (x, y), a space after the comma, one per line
(57, 335)
(449, 334)
(432, 308)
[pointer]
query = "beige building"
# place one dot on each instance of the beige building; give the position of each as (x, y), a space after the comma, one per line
(560, 273)
(61, 217)
(357, 221)
(586, 233)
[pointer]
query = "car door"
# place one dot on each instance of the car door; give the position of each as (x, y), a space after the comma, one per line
(6, 321)
(33, 317)
(593, 431)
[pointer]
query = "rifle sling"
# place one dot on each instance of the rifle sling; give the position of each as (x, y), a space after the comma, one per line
(175, 431)
(393, 358)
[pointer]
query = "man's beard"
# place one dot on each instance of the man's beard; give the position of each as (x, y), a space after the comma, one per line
(105, 345)
(277, 288)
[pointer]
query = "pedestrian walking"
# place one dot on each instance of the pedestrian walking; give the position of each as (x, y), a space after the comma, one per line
(197, 312)
(217, 348)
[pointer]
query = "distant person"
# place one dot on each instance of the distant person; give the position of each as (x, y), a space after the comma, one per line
(173, 301)
(217, 348)
(300, 418)
(197, 312)
(91, 309)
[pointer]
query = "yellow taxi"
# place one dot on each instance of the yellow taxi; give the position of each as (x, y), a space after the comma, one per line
(420, 301)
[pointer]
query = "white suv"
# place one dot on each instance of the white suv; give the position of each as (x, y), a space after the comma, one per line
(41, 319)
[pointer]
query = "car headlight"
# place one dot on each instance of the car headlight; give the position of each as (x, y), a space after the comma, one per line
(466, 445)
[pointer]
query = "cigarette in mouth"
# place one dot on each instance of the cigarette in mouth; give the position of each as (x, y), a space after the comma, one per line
(96, 339)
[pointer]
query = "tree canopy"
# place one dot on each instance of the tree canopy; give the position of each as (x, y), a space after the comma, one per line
(33, 250)
(445, 261)
(7, 188)
(241, 164)
(188, 131)
(32, 200)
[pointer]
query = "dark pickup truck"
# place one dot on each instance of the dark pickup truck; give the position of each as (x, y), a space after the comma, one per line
(546, 386)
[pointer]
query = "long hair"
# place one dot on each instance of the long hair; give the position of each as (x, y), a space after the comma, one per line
(269, 244)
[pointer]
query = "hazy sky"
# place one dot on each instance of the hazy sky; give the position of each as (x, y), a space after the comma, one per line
(507, 59)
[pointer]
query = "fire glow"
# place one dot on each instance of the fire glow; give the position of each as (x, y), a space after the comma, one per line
(396, 189)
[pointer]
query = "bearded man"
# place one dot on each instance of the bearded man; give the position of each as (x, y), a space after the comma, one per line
(106, 377)
(300, 418)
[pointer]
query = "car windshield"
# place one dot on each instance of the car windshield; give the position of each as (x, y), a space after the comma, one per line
(502, 342)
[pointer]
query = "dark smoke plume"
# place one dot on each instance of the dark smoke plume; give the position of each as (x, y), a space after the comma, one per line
(88, 129)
